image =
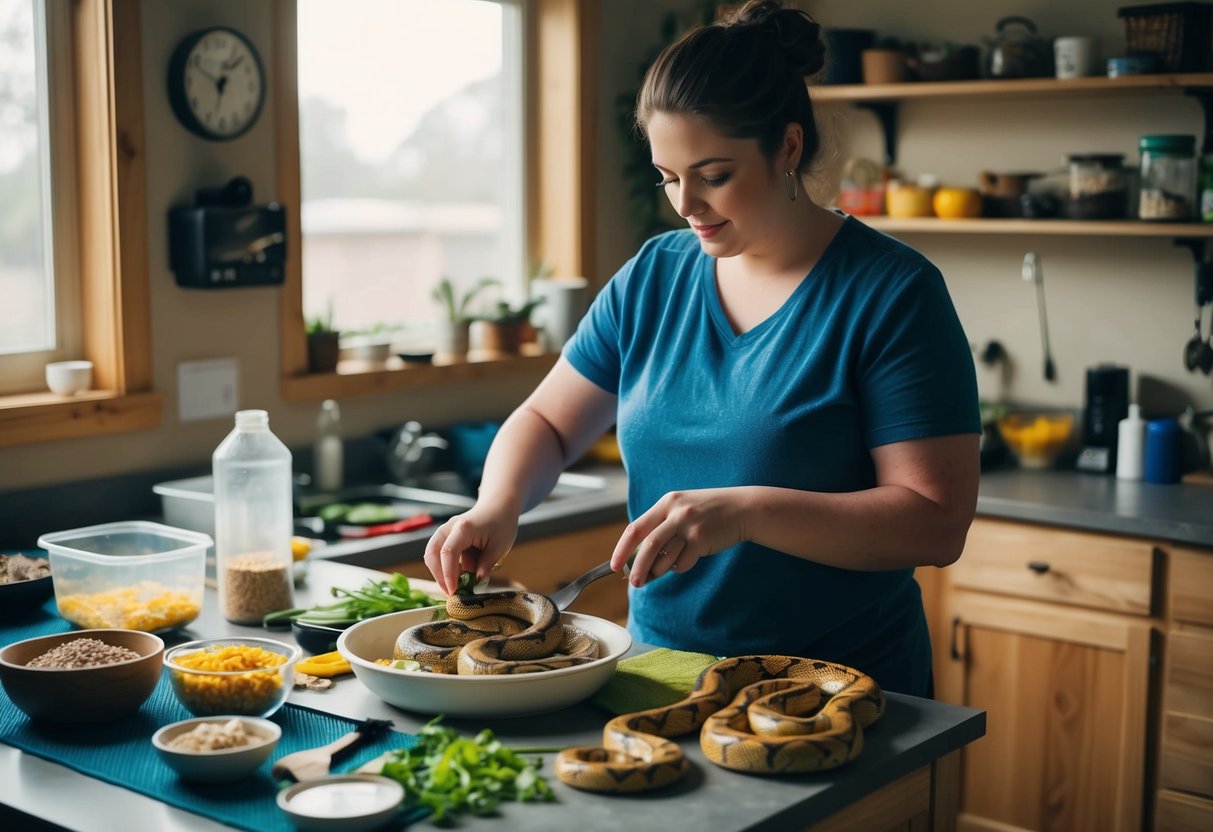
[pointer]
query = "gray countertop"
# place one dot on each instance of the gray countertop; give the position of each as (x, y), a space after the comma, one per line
(912, 733)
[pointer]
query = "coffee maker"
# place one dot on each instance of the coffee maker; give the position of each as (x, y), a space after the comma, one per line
(1107, 402)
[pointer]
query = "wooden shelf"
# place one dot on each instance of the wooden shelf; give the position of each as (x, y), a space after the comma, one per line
(1077, 228)
(1027, 87)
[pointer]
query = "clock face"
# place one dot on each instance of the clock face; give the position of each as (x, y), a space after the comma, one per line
(217, 83)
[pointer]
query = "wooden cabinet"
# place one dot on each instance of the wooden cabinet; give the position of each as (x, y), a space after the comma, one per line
(1185, 754)
(546, 564)
(1050, 633)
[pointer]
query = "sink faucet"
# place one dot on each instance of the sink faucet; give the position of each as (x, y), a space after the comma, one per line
(412, 453)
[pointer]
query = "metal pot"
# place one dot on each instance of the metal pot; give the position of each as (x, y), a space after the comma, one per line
(1018, 54)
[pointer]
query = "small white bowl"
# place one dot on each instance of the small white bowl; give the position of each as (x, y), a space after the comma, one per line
(342, 802)
(218, 766)
(69, 377)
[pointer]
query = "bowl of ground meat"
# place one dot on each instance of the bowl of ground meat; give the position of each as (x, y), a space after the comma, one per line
(82, 677)
(25, 583)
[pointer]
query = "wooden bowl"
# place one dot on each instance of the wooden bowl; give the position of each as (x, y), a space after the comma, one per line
(84, 695)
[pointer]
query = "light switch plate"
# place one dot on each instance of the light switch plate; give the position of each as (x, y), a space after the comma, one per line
(207, 389)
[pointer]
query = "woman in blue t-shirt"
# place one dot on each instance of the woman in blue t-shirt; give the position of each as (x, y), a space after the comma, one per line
(794, 396)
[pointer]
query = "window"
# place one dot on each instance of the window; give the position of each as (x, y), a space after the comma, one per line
(97, 215)
(410, 155)
(39, 320)
(550, 219)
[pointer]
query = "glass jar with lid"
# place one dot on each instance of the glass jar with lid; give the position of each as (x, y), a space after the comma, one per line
(1099, 186)
(1168, 177)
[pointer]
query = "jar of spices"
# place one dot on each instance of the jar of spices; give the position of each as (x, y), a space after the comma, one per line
(1168, 177)
(1099, 186)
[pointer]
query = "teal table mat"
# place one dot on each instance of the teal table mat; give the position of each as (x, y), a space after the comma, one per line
(122, 753)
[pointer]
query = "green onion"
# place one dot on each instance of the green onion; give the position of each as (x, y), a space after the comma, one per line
(391, 594)
(452, 775)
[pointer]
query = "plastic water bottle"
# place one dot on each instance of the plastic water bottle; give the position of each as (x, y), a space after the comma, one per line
(253, 521)
(1131, 445)
(328, 458)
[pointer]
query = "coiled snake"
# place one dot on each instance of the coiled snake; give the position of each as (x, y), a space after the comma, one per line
(759, 714)
(497, 633)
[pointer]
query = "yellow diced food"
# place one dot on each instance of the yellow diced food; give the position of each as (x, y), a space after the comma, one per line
(147, 606)
(239, 693)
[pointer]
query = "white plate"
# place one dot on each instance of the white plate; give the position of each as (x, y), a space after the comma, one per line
(342, 802)
(476, 696)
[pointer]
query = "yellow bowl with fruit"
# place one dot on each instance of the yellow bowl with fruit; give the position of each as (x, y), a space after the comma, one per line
(1037, 439)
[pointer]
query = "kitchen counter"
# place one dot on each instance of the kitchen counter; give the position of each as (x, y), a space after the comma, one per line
(903, 748)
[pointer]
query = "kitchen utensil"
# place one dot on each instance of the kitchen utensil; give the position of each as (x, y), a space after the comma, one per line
(1033, 272)
(417, 521)
(568, 593)
(1198, 353)
(316, 762)
(1016, 51)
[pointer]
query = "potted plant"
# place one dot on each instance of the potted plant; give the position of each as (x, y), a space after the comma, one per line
(323, 343)
(452, 335)
(503, 331)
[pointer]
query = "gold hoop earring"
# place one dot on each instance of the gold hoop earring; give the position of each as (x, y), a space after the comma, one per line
(791, 184)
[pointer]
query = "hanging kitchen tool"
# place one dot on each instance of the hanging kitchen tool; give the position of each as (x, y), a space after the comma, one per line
(1033, 272)
(1198, 353)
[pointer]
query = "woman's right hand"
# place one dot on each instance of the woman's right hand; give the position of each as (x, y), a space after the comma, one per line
(470, 542)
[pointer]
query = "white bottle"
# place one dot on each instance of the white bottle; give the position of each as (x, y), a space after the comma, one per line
(1131, 445)
(253, 521)
(328, 458)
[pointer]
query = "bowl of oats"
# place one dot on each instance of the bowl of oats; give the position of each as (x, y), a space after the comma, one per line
(82, 677)
(216, 749)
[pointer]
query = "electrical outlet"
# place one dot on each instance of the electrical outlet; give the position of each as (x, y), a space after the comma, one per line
(207, 389)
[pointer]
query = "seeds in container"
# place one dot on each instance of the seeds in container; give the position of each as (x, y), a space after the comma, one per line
(83, 652)
(255, 585)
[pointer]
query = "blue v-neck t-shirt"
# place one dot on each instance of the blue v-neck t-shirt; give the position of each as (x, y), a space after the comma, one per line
(866, 351)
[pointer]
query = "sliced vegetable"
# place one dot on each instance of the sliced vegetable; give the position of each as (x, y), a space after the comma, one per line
(391, 594)
(452, 775)
(325, 665)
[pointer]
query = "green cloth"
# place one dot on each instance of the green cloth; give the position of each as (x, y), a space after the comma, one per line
(651, 680)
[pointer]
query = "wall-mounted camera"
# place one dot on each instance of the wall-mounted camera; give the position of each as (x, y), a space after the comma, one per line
(225, 241)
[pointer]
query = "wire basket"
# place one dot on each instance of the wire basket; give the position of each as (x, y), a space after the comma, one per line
(1178, 33)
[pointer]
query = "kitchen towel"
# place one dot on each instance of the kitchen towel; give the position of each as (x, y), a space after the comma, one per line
(122, 752)
(651, 680)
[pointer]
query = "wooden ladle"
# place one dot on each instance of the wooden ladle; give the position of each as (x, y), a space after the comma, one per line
(317, 762)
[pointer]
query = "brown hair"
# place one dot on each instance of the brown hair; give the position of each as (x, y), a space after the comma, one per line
(744, 73)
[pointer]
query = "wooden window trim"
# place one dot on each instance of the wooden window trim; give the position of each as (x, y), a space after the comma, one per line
(561, 90)
(112, 239)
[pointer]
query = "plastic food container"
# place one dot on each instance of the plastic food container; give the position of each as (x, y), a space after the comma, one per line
(189, 503)
(132, 575)
(1168, 177)
(1099, 186)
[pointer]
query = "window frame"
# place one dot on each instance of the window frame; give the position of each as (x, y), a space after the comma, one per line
(560, 92)
(110, 238)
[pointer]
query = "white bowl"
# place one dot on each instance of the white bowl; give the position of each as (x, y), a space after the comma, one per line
(69, 377)
(342, 802)
(218, 766)
(476, 696)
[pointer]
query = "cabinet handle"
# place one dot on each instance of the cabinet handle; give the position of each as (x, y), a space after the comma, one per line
(1038, 566)
(955, 629)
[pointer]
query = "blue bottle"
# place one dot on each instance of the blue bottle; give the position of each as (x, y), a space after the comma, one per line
(1163, 451)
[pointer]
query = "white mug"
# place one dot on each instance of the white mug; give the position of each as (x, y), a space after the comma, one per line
(69, 377)
(1074, 57)
(565, 301)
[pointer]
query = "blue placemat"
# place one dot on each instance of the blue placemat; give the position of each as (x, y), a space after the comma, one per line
(122, 752)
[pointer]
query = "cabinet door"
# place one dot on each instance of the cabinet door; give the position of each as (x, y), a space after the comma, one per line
(1066, 696)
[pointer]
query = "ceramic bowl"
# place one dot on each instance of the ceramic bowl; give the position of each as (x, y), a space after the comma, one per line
(476, 696)
(20, 599)
(1037, 438)
(316, 638)
(85, 695)
(69, 377)
(220, 766)
(254, 691)
(342, 802)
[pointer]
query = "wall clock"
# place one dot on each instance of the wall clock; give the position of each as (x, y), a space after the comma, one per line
(216, 83)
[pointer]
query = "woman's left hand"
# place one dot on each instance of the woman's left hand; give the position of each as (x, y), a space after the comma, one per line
(681, 528)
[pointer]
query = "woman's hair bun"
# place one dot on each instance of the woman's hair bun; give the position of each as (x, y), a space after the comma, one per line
(797, 34)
